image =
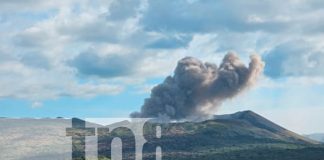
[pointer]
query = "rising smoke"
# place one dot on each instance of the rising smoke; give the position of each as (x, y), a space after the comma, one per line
(197, 89)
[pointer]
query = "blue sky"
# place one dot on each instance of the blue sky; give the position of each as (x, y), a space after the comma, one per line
(100, 58)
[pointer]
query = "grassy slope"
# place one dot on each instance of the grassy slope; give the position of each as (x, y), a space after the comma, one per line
(246, 136)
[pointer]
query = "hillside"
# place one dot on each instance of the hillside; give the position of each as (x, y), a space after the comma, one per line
(239, 136)
(267, 127)
(243, 135)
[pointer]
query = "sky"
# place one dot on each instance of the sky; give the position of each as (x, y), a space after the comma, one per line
(100, 58)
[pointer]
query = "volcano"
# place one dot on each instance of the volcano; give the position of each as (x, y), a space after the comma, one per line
(240, 136)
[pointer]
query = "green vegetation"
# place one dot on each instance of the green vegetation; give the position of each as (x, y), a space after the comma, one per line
(244, 136)
(241, 136)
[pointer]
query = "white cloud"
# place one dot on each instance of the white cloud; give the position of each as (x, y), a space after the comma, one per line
(75, 27)
(37, 104)
(23, 82)
(255, 19)
(294, 58)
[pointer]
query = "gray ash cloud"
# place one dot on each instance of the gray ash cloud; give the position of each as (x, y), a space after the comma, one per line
(197, 89)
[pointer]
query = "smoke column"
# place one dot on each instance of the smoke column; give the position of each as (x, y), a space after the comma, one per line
(197, 89)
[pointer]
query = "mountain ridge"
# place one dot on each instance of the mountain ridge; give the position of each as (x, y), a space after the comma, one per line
(263, 123)
(243, 135)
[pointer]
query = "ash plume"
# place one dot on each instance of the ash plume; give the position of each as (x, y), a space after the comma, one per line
(197, 89)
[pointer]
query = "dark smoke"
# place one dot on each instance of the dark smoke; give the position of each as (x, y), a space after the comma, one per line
(196, 89)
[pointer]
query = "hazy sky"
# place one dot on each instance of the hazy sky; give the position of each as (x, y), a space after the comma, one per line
(99, 58)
